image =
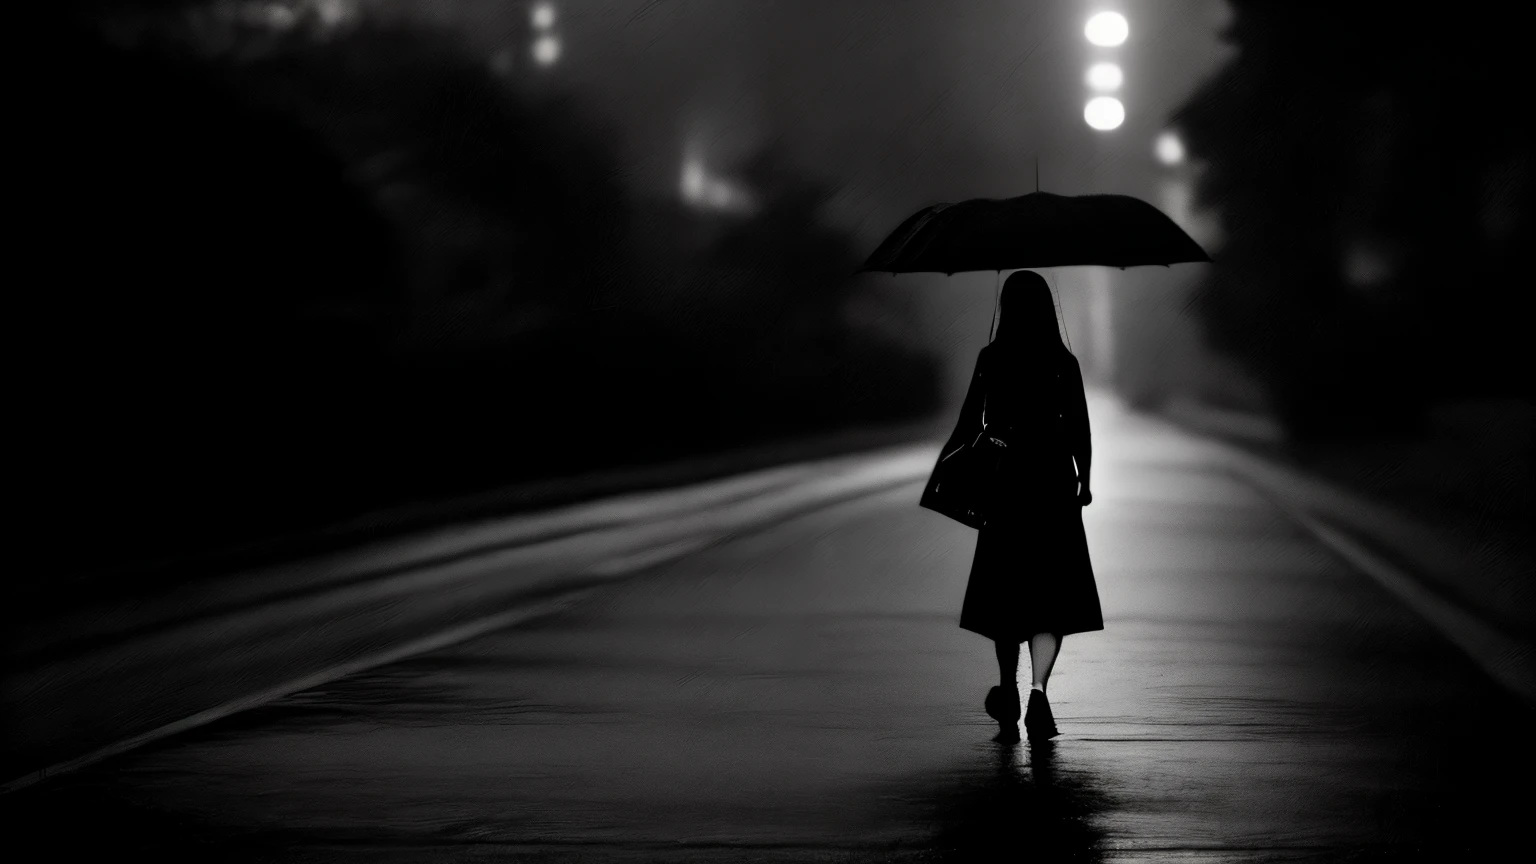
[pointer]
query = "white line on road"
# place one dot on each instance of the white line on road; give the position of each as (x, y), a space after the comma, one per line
(875, 478)
(437, 641)
(1498, 655)
(1503, 658)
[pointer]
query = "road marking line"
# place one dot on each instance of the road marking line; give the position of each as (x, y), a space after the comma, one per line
(647, 558)
(885, 481)
(435, 642)
(1506, 660)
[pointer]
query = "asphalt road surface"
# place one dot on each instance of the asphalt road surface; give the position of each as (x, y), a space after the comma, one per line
(803, 693)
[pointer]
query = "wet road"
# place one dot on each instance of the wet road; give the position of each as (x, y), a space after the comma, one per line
(803, 693)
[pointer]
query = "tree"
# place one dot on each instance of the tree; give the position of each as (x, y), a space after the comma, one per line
(1357, 139)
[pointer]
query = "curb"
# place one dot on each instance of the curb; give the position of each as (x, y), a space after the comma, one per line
(1341, 520)
(1506, 659)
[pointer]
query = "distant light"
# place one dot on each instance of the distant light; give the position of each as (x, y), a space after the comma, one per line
(1107, 29)
(1170, 150)
(694, 182)
(332, 12)
(1105, 76)
(1366, 267)
(543, 15)
(700, 189)
(1104, 113)
(546, 50)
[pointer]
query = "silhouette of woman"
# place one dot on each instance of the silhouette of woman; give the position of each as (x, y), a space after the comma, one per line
(1031, 580)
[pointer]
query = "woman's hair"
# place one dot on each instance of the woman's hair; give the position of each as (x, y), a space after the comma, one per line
(1028, 315)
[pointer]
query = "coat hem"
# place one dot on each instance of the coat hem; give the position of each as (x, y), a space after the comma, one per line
(1064, 631)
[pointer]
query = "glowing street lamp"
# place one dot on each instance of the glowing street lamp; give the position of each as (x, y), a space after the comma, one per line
(546, 50)
(1170, 150)
(1104, 113)
(1107, 29)
(1105, 77)
(542, 16)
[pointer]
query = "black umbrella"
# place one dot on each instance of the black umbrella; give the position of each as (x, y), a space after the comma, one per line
(1025, 233)
(1040, 229)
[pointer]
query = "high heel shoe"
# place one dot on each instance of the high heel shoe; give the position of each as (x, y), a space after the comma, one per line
(1039, 722)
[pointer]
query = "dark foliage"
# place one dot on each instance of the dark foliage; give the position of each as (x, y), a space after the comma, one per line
(1355, 134)
(280, 281)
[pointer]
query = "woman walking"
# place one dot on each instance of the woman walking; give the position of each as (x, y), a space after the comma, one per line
(1031, 580)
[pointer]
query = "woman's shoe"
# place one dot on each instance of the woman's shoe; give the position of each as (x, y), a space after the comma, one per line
(1003, 706)
(1039, 722)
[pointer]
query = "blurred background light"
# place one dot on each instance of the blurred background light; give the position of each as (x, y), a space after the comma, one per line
(1104, 113)
(1170, 150)
(1105, 76)
(333, 12)
(546, 50)
(1366, 267)
(1107, 29)
(693, 180)
(543, 15)
(705, 191)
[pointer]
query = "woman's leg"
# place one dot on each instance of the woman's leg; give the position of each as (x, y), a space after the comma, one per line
(1007, 663)
(1043, 648)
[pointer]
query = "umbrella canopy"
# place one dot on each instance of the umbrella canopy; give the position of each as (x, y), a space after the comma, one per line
(1033, 231)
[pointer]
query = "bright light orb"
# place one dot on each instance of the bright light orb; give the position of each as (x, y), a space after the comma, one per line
(543, 15)
(546, 50)
(1107, 29)
(1104, 113)
(1105, 76)
(1170, 150)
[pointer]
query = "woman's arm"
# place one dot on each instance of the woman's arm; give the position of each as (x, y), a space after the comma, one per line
(1079, 439)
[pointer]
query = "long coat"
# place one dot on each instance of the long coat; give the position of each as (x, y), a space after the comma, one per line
(1031, 573)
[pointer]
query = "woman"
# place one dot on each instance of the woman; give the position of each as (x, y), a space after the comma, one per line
(1031, 580)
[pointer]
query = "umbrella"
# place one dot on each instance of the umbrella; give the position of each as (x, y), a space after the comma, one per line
(1040, 229)
(1029, 232)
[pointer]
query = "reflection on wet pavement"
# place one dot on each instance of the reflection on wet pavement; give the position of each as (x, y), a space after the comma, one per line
(804, 694)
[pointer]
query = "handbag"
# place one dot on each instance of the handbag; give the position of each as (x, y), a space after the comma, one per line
(964, 480)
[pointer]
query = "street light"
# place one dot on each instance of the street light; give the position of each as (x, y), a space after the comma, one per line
(1170, 150)
(546, 50)
(1104, 113)
(1107, 29)
(543, 16)
(1105, 76)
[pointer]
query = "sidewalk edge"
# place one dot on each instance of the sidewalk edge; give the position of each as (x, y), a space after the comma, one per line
(1504, 658)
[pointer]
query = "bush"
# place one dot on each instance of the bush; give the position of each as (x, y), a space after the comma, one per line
(292, 280)
(1367, 148)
